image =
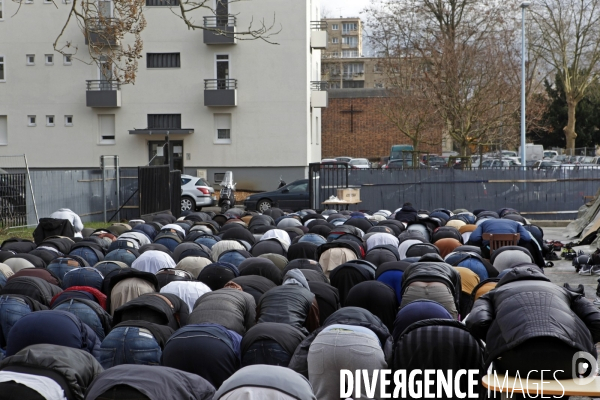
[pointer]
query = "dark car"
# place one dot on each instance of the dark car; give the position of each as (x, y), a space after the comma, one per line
(399, 164)
(293, 196)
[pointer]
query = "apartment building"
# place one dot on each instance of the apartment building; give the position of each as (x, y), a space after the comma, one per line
(343, 65)
(225, 104)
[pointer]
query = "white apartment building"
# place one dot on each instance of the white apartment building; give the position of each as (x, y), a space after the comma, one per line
(240, 105)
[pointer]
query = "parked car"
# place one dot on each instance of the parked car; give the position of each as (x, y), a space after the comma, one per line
(399, 164)
(343, 159)
(359, 163)
(196, 193)
(292, 196)
(434, 161)
(491, 163)
(550, 154)
(546, 164)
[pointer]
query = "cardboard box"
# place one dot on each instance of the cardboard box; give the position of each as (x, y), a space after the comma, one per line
(349, 195)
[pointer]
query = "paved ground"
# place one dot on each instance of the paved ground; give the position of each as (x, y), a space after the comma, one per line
(563, 271)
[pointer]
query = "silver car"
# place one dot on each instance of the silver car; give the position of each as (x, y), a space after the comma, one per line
(359, 163)
(196, 193)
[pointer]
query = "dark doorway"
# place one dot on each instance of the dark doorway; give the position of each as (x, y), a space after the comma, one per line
(176, 153)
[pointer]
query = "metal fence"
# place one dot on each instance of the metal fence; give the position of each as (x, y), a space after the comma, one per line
(538, 194)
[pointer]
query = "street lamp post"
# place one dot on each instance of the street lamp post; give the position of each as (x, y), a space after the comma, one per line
(524, 5)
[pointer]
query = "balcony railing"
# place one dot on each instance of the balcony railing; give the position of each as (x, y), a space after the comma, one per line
(350, 31)
(220, 92)
(219, 21)
(103, 85)
(225, 24)
(102, 93)
(220, 84)
(319, 85)
(318, 25)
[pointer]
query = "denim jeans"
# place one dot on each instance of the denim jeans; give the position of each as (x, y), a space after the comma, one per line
(11, 310)
(129, 345)
(267, 352)
(85, 314)
(86, 253)
(86, 276)
(60, 267)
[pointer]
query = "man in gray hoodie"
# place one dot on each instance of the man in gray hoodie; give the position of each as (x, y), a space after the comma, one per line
(291, 303)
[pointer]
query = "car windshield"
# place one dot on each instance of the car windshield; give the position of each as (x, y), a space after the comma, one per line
(359, 161)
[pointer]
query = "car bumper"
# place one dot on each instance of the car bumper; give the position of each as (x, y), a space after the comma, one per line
(250, 204)
(206, 201)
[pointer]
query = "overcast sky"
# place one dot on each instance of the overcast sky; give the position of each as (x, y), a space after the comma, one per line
(345, 8)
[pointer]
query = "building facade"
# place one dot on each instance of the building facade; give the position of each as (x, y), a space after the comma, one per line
(224, 104)
(343, 65)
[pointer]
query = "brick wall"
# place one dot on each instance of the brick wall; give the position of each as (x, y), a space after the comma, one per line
(373, 135)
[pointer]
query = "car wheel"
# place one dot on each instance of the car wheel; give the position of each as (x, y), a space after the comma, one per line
(187, 204)
(263, 205)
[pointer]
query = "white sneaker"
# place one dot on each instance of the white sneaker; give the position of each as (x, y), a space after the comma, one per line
(597, 301)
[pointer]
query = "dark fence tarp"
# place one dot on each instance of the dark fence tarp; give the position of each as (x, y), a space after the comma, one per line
(538, 193)
(175, 187)
(154, 189)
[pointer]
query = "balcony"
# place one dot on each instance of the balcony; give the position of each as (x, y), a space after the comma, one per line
(103, 94)
(318, 94)
(220, 92)
(225, 24)
(100, 32)
(318, 35)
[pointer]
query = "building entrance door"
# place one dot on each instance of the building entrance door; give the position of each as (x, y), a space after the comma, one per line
(156, 153)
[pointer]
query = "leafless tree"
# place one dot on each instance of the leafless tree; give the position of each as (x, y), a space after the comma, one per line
(567, 38)
(114, 36)
(467, 51)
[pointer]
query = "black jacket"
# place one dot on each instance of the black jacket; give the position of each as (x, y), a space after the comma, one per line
(525, 305)
(407, 214)
(52, 227)
(74, 368)
(174, 311)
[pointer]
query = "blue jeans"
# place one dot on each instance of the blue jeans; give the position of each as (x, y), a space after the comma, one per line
(11, 310)
(266, 352)
(85, 314)
(129, 345)
(59, 268)
(87, 254)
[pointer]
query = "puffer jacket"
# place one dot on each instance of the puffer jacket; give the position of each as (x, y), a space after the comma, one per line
(432, 268)
(526, 305)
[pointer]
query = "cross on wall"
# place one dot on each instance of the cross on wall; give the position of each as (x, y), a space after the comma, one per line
(351, 111)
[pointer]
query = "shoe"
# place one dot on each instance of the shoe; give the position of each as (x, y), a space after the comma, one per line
(585, 269)
(579, 289)
(595, 269)
(570, 255)
(551, 256)
(597, 301)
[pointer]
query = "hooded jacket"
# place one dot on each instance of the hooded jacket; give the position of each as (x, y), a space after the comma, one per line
(526, 305)
(76, 367)
(231, 308)
(291, 303)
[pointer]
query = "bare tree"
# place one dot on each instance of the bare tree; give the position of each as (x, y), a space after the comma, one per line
(568, 39)
(463, 46)
(112, 30)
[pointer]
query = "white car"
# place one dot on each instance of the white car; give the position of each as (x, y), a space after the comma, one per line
(196, 193)
(360, 163)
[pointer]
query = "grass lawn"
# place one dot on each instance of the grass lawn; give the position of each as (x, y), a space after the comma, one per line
(27, 233)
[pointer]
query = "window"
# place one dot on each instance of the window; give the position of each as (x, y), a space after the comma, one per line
(353, 69)
(354, 84)
(164, 121)
(28, 1)
(30, 58)
(163, 60)
(223, 128)
(218, 177)
(334, 85)
(162, 3)
(335, 27)
(378, 86)
(67, 59)
(349, 54)
(378, 68)
(3, 130)
(351, 41)
(47, 1)
(68, 120)
(49, 120)
(349, 27)
(1, 10)
(2, 75)
(335, 40)
(106, 129)
(49, 59)
(31, 120)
